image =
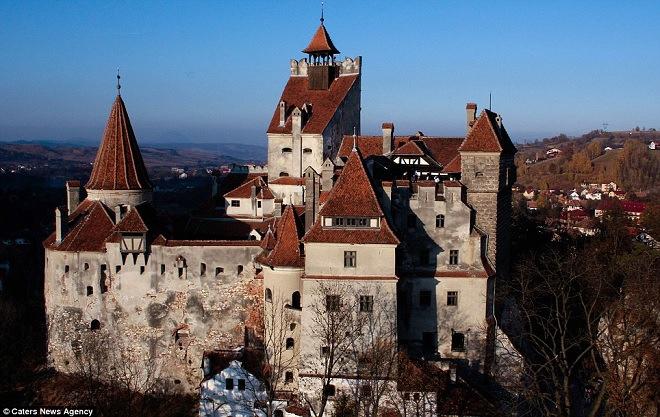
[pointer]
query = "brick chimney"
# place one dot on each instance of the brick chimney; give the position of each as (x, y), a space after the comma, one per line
(388, 137)
(72, 195)
(471, 112)
(61, 220)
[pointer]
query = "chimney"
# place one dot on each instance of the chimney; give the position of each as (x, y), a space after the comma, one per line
(117, 213)
(282, 113)
(327, 173)
(471, 112)
(253, 199)
(311, 197)
(61, 220)
(72, 195)
(388, 137)
(277, 210)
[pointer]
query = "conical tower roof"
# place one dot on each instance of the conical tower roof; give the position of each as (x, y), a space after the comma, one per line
(321, 44)
(118, 164)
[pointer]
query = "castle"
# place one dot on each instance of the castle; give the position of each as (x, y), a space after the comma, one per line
(412, 226)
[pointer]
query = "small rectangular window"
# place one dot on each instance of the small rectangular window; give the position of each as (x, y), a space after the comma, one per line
(259, 204)
(142, 269)
(90, 290)
(202, 269)
(332, 302)
(366, 303)
(453, 257)
(457, 342)
(229, 384)
(241, 385)
(452, 298)
(117, 268)
(330, 390)
(66, 269)
(425, 298)
(325, 351)
(235, 203)
(440, 221)
(350, 259)
(162, 269)
(219, 270)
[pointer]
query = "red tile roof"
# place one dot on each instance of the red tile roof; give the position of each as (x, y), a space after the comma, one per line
(288, 181)
(454, 166)
(132, 222)
(410, 148)
(287, 250)
(245, 190)
(90, 226)
(321, 43)
(324, 103)
(487, 136)
(118, 164)
(352, 196)
(443, 150)
(268, 242)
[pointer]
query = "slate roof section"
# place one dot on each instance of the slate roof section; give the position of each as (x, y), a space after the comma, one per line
(118, 164)
(287, 251)
(321, 44)
(245, 190)
(487, 136)
(324, 103)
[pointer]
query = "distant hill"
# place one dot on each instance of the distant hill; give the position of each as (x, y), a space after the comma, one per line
(597, 156)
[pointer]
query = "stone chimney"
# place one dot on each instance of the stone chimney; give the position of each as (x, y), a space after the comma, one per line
(61, 220)
(327, 173)
(388, 137)
(311, 197)
(296, 129)
(471, 112)
(282, 113)
(277, 208)
(117, 213)
(72, 195)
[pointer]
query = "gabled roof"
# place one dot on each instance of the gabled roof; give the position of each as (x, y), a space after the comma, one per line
(118, 164)
(352, 196)
(454, 166)
(245, 190)
(410, 148)
(486, 135)
(321, 44)
(324, 103)
(287, 249)
(89, 228)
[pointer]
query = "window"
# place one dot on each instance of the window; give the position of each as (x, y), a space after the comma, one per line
(117, 269)
(162, 269)
(325, 351)
(287, 150)
(288, 377)
(350, 259)
(269, 295)
(102, 281)
(202, 269)
(453, 257)
(332, 302)
(229, 384)
(295, 299)
(259, 204)
(440, 221)
(180, 271)
(142, 269)
(290, 343)
(235, 203)
(278, 413)
(350, 222)
(239, 269)
(86, 266)
(241, 385)
(284, 174)
(219, 270)
(292, 326)
(366, 303)
(425, 298)
(90, 290)
(452, 298)
(95, 325)
(66, 269)
(457, 342)
(330, 390)
(307, 150)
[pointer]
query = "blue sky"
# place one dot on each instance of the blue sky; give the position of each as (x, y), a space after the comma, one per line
(213, 71)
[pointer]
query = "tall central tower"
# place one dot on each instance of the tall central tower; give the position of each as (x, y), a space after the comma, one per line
(320, 103)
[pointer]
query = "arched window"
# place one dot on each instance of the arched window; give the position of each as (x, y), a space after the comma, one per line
(269, 295)
(290, 343)
(286, 150)
(295, 299)
(284, 174)
(440, 220)
(95, 325)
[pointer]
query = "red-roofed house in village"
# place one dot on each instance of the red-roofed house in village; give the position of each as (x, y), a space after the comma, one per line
(414, 227)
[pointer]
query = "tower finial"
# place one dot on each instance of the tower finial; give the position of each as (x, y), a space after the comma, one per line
(354, 139)
(118, 85)
(322, 19)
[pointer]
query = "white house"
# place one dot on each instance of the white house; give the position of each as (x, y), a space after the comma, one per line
(232, 393)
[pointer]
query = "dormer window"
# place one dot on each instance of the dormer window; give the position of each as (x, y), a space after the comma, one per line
(351, 222)
(132, 243)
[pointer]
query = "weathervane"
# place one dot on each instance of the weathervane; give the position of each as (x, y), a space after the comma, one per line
(322, 19)
(354, 138)
(118, 85)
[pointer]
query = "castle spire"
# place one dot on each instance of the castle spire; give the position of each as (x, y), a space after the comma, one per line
(321, 45)
(322, 19)
(118, 85)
